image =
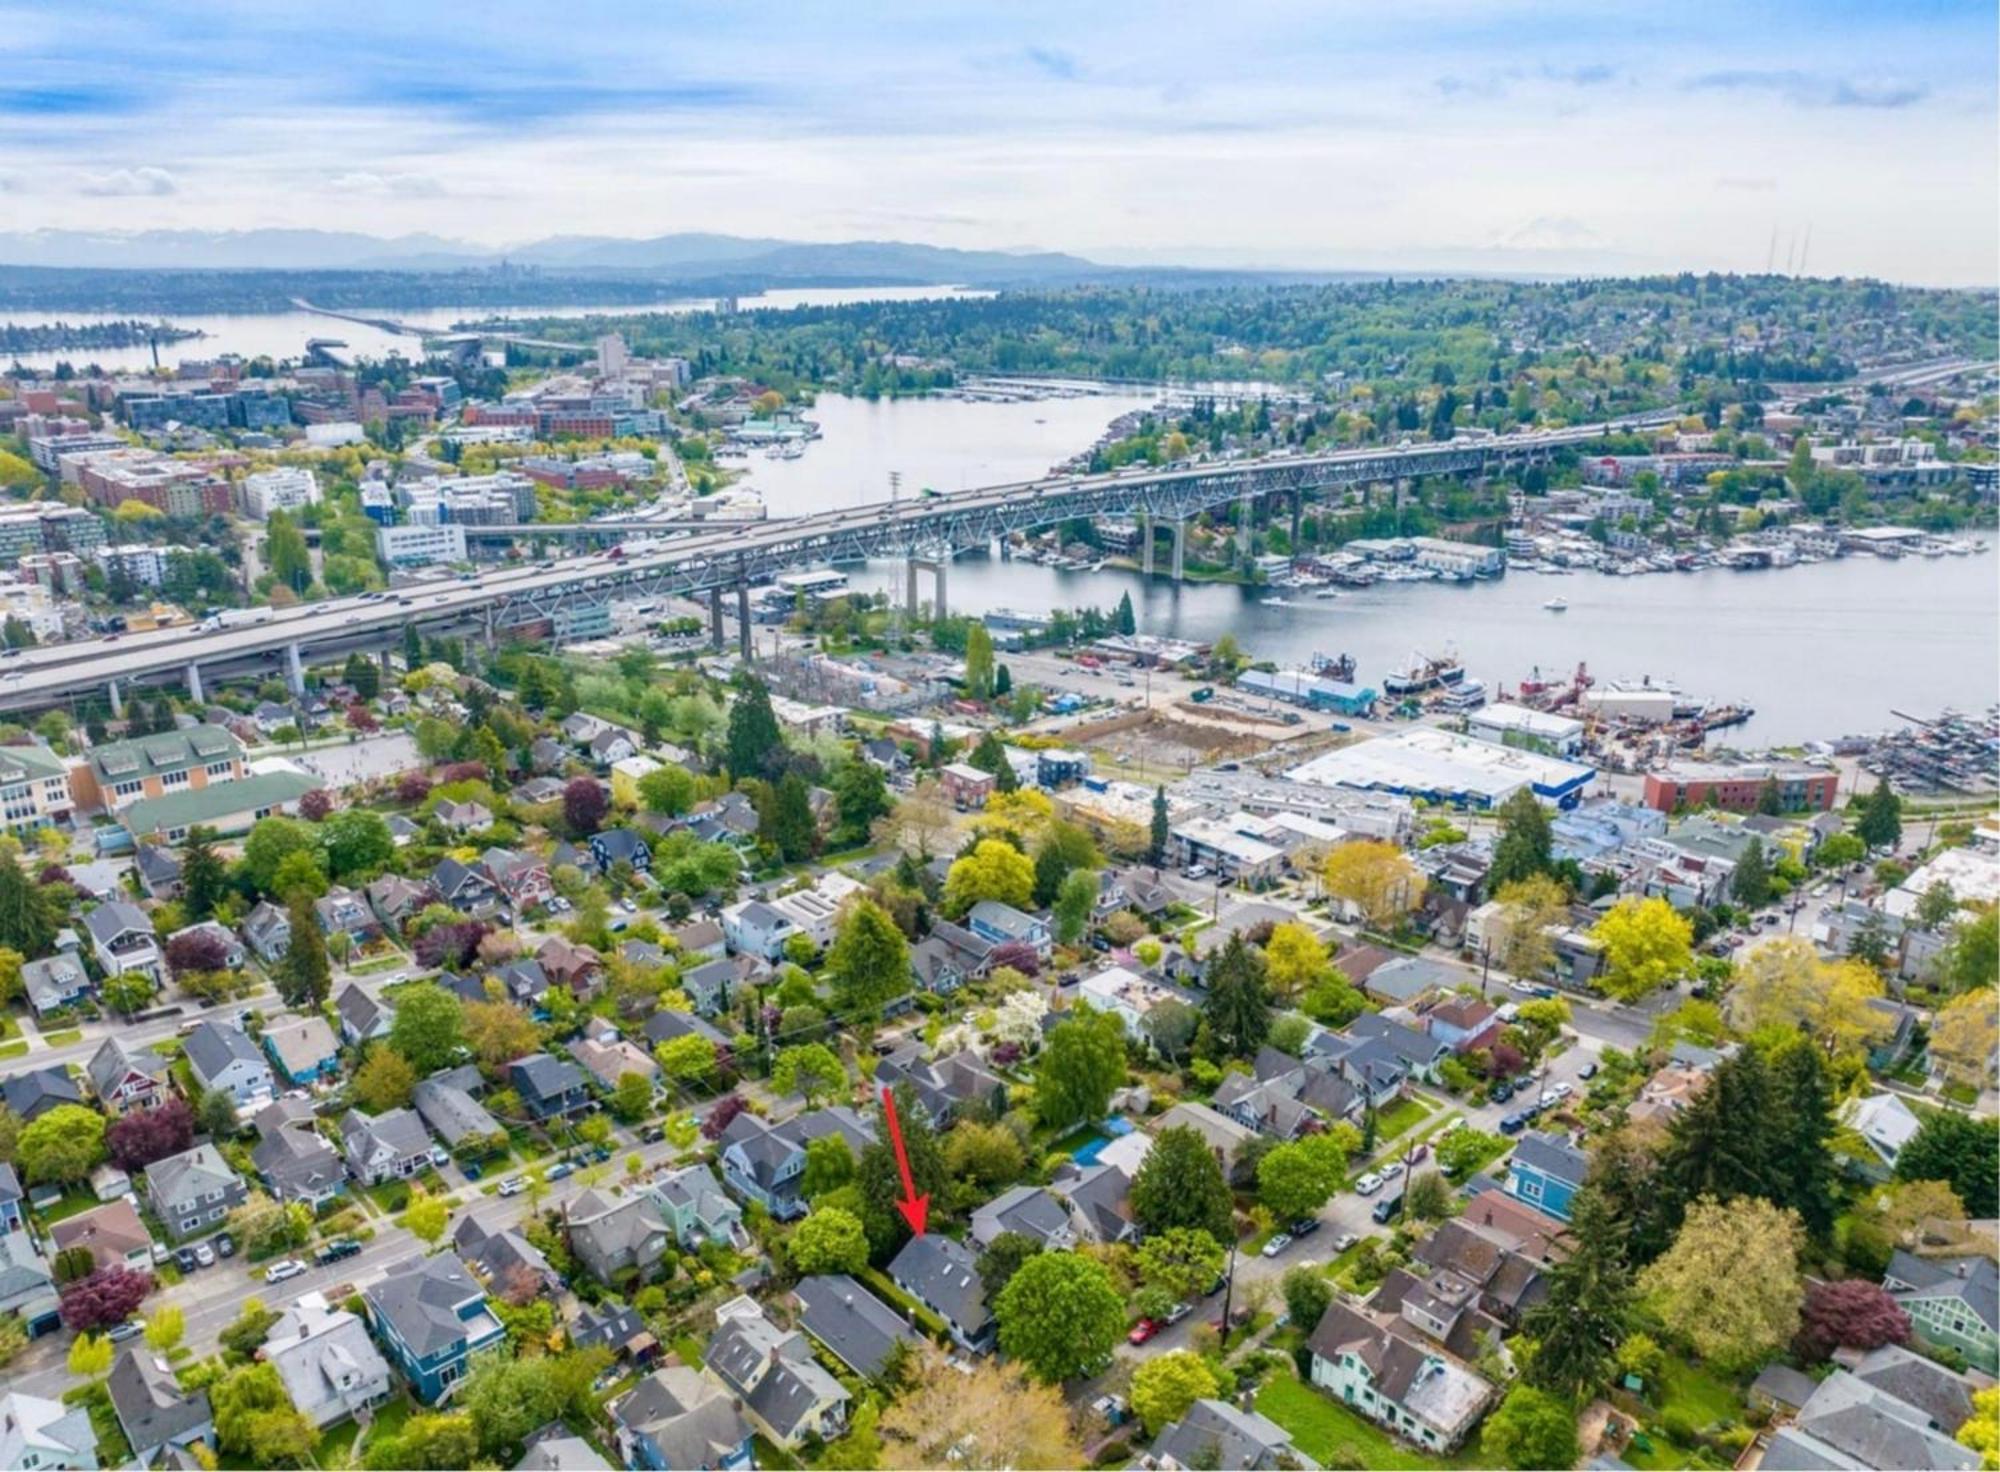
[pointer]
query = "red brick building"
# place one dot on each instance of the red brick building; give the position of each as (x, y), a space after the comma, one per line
(1739, 788)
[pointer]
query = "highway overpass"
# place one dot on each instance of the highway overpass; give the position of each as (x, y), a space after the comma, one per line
(731, 557)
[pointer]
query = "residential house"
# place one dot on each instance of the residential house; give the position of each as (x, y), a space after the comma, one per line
(1003, 924)
(51, 983)
(1214, 1433)
(45, 1435)
(780, 1386)
(233, 951)
(1464, 1024)
(122, 939)
(1099, 1198)
(294, 1159)
(463, 817)
(1402, 980)
(1670, 1090)
(1849, 1421)
(466, 889)
(158, 1418)
(1376, 1369)
(524, 981)
(757, 929)
(613, 745)
(384, 1147)
(511, 1266)
(696, 1209)
(159, 870)
(1285, 1097)
(223, 1058)
(1128, 995)
(304, 1049)
(30, 1095)
(536, 791)
(1953, 1303)
(11, 1196)
(446, 1103)
(330, 1367)
(568, 964)
(617, 1327)
(522, 878)
(607, 1061)
(395, 900)
(1223, 1135)
(857, 1328)
(125, 1077)
(701, 938)
(942, 1274)
(1029, 1211)
(816, 909)
(678, 1418)
(345, 919)
(763, 1162)
(432, 1318)
(706, 985)
(193, 1191)
(1546, 1171)
(27, 1284)
(968, 954)
(112, 1234)
(1886, 1123)
(945, 1086)
(549, 1087)
(620, 846)
(1421, 1052)
(1372, 1067)
(361, 1016)
(966, 786)
(664, 1026)
(612, 1236)
(935, 967)
(268, 929)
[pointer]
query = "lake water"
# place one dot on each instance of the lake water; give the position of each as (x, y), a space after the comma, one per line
(285, 334)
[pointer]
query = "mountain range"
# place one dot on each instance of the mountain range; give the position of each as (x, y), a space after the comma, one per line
(682, 257)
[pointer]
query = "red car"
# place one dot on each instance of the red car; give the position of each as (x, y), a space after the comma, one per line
(1143, 1330)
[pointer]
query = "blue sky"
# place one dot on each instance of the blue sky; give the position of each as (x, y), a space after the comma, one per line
(1419, 134)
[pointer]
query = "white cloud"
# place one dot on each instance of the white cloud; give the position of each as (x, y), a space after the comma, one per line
(118, 182)
(1550, 233)
(398, 186)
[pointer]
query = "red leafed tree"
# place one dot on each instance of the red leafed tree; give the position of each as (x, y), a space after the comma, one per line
(462, 772)
(1504, 1060)
(451, 945)
(146, 1135)
(197, 950)
(108, 1296)
(726, 1109)
(361, 718)
(584, 805)
(412, 787)
(315, 805)
(1017, 954)
(1850, 1314)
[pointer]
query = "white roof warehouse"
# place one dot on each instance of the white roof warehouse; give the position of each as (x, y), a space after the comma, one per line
(1441, 767)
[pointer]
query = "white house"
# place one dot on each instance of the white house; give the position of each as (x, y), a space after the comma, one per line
(330, 1366)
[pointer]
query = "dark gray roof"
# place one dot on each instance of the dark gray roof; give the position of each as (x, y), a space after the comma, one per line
(1974, 1281)
(1214, 1433)
(113, 1060)
(1943, 1396)
(39, 1090)
(400, 1131)
(691, 1420)
(665, 1025)
(546, 1076)
(421, 1297)
(773, 1371)
(944, 1274)
(149, 1401)
(451, 1111)
(853, 1323)
(298, 1162)
(1553, 1156)
(555, 1448)
(212, 1047)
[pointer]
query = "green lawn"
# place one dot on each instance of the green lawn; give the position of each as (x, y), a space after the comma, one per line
(63, 1037)
(15, 1049)
(388, 1421)
(1405, 1114)
(336, 1446)
(1335, 1436)
(1701, 1393)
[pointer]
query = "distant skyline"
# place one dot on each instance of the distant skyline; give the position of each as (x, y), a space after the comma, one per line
(1427, 135)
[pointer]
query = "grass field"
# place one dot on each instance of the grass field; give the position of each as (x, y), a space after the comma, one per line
(1335, 1436)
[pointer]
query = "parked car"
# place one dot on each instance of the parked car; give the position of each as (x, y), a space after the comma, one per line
(127, 1330)
(204, 1254)
(1178, 1312)
(185, 1260)
(1277, 1244)
(225, 1245)
(1588, 1071)
(1368, 1184)
(1513, 1124)
(559, 1170)
(1391, 1169)
(1216, 1287)
(1143, 1330)
(1419, 1151)
(440, 1156)
(1501, 1092)
(1112, 1408)
(1304, 1227)
(336, 1250)
(289, 1267)
(1344, 1241)
(513, 1186)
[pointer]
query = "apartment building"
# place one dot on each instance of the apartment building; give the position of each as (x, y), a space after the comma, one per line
(34, 788)
(114, 776)
(420, 546)
(288, 488)
(180, 488)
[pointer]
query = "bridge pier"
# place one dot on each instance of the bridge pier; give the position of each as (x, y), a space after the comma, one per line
(715, 619)
(1145, 545)
(295, 670)
(117, 700)
(1298, 514)
(194, 684)
(1243, 533)
(937, 566)
(1180, 548)
(743, 643)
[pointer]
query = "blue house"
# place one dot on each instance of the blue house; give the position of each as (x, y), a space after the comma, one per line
(620, 846)
(679, 1418)
(549, 1087)
(304, 1049)
(1000, 924)
(1546, 1172)
(432, 1317)
(10, 1200)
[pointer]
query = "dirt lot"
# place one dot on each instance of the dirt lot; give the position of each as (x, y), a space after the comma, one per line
(1151, 739)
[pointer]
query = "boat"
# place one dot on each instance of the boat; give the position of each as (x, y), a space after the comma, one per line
(1328, 593)
(1276, 602)
(1557, 605)
(1422, 674)
(1338, 667)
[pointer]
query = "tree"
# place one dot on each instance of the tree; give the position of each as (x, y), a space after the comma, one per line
(1646, 943)
(584, 806)
(384, 1081)
(1530, 909)
(1851, 1313)
(791, 827)
(1180, 1262)
(1377, 879)
(304, 975)
(1075, 902)
(1750, 885)
(1783, 983)
(1165, 1386)
(1802, 1131)
(669, 789)
(1579, 1324)
(689, 1059)
(430, 1026)
(632, 1099)
(994, 870)
(978, 661)
(62, 1146)
(27, 915)
(860, 796)
(1294, 959)
(509, 1398)
(271, 842)
(1881, 822)
(215, 1113)
(497, 1032)
(987, 1415)
(829, 1240)
(1981, 1430)
(1082, 1064)
(1159, 831)
(1957, 1149)
(1837, 850)
(753, 745)
(879, 1177)
(255, 1418)
(435, 1443)
(135, 1140)
(810, 1069)
(829, 1166)
(1059, 1316)
(990, 757)
(1170, 1027)
(1236, 1006)
(1307, 1294)
(1002, 1259)
(166, 1326)
(1180, 1184)
(285, 552)
(1295, 1180)
(989, 1155)
(128, 992)
(357, 842)
(204, 876)
(1971, 959)
(1530, 1428)
(90, 1355)
(106, 1298)
(299, 876)
(1524, 846)
(869, 960)
(1729, 1286)
(1428, 1198)
(1964, 1033)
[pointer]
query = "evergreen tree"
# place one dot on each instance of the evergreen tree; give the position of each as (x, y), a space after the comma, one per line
(1578, 1327)
(753, 746)
(413, 647)
(1726, 1142)
(27, 924)
(1180, 1184)
(1237, 1006)
(978, 661)
(1003, 681)
(363, 674)
(1156, 847)
(1525, 842)
(1126, 622)
(1770, 802)
(204, 879)
(880, 1178)
(304, 976)
(1751, 883)
(795, 831)
(1804, 1163)
(1881, 824)
(991, 757)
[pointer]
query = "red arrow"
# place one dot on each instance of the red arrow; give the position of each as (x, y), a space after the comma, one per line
(915, 1208)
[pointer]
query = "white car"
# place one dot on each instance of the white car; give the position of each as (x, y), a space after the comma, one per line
(1548, 1099)
(513, 1186)
(1277, 1244)
(1393, 1169)
(1525, 988)
(1368, 1184)
(204, 1254)
(1563, 1090)
(289, 1267)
